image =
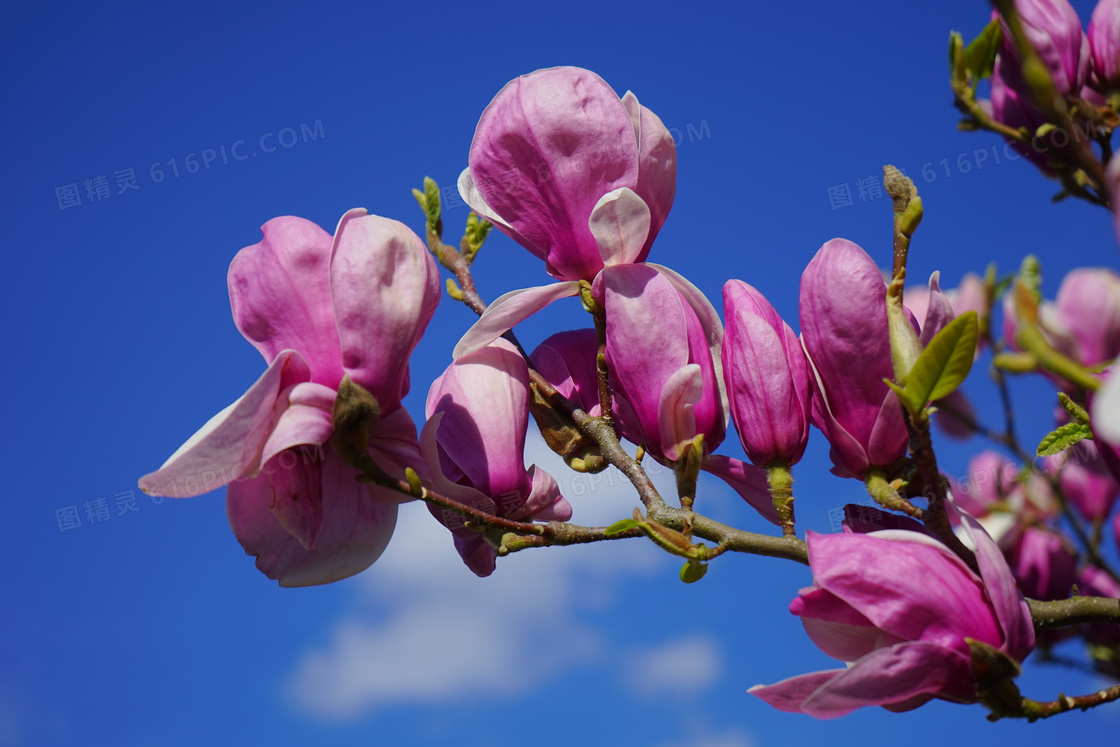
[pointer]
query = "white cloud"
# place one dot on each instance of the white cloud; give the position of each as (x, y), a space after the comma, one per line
(437, 633)
(732, 738)
(684, 665)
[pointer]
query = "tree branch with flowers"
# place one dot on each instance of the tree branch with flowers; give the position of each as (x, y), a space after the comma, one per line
(941, 593)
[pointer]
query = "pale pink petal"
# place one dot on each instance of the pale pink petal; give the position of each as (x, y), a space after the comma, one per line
(939, 311)
(1106, 410)
(676, 420)
(620, 224)
(789, 694)
(507, 311)
(280, 293)
(657, 165)
(229, 445)
(385, 287)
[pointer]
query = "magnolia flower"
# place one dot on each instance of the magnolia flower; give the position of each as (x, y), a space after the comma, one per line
(578, 177)
(899, 607)
(844, 333)
(1088, 309)
(318, 310)
(767, 377)
(474, 442)
(1054, 30)
(547, 150)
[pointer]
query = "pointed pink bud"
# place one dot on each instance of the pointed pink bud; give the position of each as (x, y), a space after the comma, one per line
(548, 148)
(843, 313)
(1054, 30)
(767, 377)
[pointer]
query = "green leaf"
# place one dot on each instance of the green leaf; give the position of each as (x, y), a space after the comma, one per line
(1063, 438)
(945, 362)
(621, 526)
(980, 54)
(692, 571)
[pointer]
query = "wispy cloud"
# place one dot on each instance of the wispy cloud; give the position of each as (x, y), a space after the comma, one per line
(427, 631)
(684, 665)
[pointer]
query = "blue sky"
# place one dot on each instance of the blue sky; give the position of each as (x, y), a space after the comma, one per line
(152, 628)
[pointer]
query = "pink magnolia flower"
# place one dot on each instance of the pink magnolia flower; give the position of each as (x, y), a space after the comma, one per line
(578, 177)
(1085, 480)
(317, 309)
(1104, 417)
(1104, 41)
(844, 332)
(898, 606)
(548, 149)
(767, 377)
(474, 442)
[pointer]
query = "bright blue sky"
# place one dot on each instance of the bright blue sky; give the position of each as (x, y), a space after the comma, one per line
(153, 628)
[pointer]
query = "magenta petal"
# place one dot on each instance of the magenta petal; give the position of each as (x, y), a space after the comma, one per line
(837, 628)
(889, 436)
(747, 480)
(567, 361)
(393, 445)
(1011, 609)
(509, 309)
(924, 592)
(548, 146)
(385, 287)
(352, 535)
(229, 445)
(892, 675)
(280, 293)
(789, 694)
(430, 448)
(297, 493)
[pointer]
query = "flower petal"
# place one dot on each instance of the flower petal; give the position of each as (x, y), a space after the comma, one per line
(657, 165)
(892, 675)
(544, 502)
(229, 445)
(789, 694)
(281, 297)
(354, 531)
(676, 419)
(620, 224)
(507, 311)
(385, 288)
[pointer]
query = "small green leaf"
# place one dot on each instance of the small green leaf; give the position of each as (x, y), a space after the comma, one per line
(621, 526)
(945, 362)
(421, 200)
(691, 572)
(431, 205)
(980, 54)
(1062, 438)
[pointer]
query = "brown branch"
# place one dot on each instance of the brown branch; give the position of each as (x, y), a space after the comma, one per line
(1074, 611)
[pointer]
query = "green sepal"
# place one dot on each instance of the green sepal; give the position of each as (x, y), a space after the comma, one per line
(1062, 438)
(1076, 411)
(429, 203)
